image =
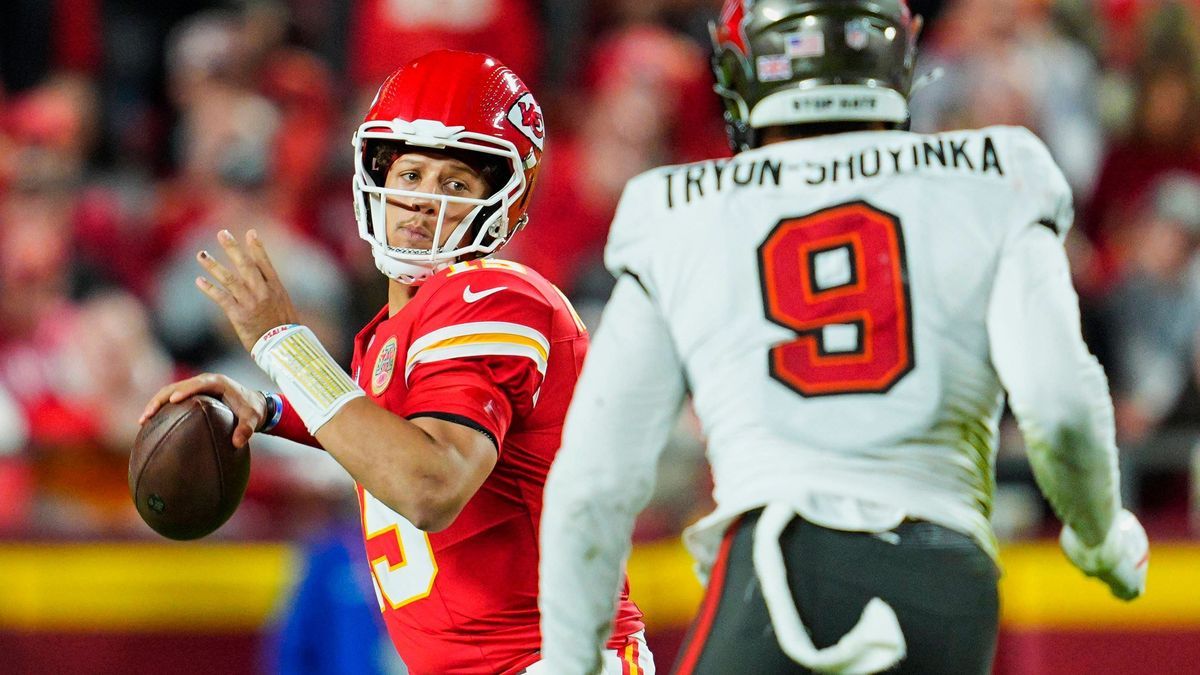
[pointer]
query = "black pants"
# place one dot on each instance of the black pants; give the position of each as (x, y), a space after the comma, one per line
(941, 585)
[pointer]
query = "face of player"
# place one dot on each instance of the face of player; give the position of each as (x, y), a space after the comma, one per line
(411, 221)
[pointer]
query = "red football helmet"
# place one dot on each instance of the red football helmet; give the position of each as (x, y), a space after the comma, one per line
(460, 102)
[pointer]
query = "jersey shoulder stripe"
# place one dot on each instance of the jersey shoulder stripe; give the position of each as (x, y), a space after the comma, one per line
(482, 338)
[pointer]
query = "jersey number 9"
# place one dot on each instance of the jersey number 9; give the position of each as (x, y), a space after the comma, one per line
(838, 278)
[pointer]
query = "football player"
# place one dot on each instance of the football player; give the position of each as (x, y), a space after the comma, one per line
(847, 304)
(460, 384)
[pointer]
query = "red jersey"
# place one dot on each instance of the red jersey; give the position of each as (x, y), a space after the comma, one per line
(492, 345)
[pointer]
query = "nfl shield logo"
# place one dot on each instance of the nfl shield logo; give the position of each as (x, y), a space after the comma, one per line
(857, 34)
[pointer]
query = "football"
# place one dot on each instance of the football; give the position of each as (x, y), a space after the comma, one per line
(185, 476)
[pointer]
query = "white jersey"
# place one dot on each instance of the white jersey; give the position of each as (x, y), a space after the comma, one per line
(828, 299)
(847, 312)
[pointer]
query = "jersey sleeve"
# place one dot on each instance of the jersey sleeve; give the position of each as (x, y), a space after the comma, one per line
(479, 352)
(1043, 195)
(625, 404)
(1056, 388)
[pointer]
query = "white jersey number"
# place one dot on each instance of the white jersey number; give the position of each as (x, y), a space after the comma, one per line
(401, 559)
(838, 278)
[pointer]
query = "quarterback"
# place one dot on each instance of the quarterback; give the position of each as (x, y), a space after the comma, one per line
(459, 386)
(848, 305)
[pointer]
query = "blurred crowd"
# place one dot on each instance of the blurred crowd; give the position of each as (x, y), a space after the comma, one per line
(131, 132)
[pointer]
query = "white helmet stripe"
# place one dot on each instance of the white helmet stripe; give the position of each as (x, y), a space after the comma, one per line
(830, 103)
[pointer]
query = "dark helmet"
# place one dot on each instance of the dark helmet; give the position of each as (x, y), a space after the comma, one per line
(781, 62)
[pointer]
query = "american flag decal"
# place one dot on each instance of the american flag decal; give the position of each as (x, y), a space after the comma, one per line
(805, 44)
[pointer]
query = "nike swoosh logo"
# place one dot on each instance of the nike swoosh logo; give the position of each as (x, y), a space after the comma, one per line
(468, 296)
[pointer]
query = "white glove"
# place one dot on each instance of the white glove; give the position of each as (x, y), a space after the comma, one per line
(1120, 560)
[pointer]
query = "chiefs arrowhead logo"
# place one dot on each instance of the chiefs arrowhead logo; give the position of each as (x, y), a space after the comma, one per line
(526, 116)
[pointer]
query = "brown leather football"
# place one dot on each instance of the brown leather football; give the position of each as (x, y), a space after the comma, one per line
(185, 476)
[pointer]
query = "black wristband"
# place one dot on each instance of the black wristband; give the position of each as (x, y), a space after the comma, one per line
(270, 414)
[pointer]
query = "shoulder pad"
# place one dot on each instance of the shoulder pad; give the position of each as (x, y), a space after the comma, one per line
(642, 202)
(1038, 180)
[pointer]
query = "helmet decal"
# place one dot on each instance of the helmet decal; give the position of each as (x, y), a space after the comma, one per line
(774, 67)
(731, 27)
(804, 44)
(858, 33)
(526, 116)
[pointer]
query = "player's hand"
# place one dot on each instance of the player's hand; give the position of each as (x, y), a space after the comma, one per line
(1120, 561)
(248, 406)
(250, 294)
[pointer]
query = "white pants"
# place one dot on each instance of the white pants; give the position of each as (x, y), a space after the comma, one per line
(632, 659)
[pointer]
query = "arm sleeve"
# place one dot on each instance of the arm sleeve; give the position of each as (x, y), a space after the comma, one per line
(291, 427)
(625, 404)
(1056, 388)
(479, 364)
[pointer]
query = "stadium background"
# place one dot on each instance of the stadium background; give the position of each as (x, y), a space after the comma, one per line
(131, 131)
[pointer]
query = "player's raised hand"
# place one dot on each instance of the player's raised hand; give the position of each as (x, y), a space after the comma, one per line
(1121, 560)
(248, 406)
(250, 295)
